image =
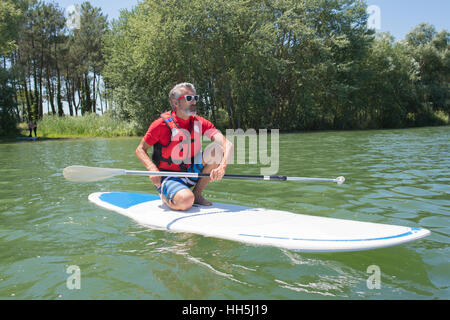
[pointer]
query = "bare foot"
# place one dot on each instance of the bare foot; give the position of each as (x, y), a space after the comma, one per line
(165, 201)
(201, 201)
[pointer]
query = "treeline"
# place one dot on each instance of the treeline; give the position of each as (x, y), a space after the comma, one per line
(48, 68)
(287, 64)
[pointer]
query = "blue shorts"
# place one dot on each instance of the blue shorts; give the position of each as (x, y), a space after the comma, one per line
(171, 185)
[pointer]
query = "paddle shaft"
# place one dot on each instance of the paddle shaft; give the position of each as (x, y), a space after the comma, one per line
(227, 176)
(202, 175)
(88, 174)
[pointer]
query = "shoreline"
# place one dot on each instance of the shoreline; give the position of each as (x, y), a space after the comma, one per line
(24, 138)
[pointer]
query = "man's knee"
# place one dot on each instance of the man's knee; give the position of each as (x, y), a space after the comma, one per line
(183, 200)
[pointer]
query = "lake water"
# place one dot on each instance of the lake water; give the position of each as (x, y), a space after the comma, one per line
(398, 177)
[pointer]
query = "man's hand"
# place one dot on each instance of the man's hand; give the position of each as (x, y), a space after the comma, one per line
(227, 149)
(141, 152)
(217, 173)
(156, 180)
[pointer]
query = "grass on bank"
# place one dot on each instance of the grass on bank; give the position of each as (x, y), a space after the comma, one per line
(107, 125)
(90, 125)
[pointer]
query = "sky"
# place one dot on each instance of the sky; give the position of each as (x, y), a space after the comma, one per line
(396, 16)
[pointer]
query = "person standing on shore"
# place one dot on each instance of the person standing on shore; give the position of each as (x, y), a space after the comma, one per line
(32, 126)
(176, 140)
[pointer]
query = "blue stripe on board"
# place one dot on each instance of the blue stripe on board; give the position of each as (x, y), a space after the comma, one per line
(126, 200)
(271, 237)
(333, 240)
(250, 235)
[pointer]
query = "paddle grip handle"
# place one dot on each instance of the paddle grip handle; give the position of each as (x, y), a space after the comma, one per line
(278, 178)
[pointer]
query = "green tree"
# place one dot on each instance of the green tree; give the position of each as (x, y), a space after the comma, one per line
(87, 49)
(387, 94)
(10, 18)
(259, 61)
(431, 51)
(289, 64)
(421, 35)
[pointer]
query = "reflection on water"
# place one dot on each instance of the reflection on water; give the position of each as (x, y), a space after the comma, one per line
(393, 176)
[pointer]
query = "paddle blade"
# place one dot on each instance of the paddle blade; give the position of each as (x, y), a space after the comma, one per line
(89, 174)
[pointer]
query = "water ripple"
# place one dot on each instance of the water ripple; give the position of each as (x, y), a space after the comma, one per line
(393, 176)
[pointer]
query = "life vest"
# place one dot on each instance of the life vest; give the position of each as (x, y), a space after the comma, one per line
(182, 148)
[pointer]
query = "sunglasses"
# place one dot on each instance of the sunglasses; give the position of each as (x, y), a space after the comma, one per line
(189, 97)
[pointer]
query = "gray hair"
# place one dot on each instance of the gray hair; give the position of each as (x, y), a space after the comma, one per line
(176, 91)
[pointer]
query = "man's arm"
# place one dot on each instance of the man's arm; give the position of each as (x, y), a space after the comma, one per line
(141, 152)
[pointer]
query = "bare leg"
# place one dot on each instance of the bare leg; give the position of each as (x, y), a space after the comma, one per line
(209, 163)
(200, 186)
(183, 200)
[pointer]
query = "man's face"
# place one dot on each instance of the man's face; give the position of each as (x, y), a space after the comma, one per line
(188, 108)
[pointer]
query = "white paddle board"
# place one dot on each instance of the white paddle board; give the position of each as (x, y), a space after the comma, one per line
(259, 226)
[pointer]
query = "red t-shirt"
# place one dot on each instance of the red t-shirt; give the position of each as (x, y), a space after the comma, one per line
(160, 132)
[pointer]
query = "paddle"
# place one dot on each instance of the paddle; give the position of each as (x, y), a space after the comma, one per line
(89, 174)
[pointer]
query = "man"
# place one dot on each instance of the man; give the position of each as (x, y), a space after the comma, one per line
(32, 126)
(176, 140)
